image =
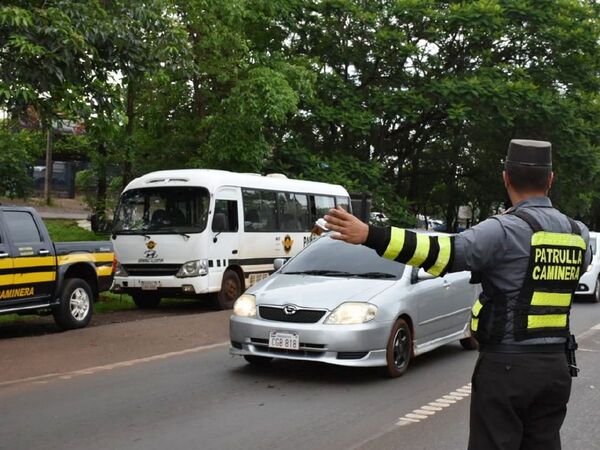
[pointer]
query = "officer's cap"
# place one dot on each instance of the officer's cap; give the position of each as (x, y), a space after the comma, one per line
(522, 152)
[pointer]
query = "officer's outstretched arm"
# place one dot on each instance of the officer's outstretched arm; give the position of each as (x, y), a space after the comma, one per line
(432, 253)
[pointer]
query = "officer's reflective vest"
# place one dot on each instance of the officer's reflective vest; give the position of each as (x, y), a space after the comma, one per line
(541, 309)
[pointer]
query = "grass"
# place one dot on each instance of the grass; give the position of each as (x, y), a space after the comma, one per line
(68, 231)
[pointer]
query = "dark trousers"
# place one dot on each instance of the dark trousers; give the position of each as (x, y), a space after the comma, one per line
(519, 401)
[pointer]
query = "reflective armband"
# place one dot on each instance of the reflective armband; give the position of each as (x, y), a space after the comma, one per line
(432, 253)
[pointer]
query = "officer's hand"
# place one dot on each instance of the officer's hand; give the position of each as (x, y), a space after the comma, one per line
(346, 227)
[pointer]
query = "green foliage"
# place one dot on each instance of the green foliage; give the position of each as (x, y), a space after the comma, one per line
(414, 101)
(18, 152)
(68, 231)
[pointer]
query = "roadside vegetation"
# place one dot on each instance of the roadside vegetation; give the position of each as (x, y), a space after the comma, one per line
(68, 231)
(414, 101)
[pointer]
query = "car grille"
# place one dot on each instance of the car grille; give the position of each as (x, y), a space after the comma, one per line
(152, 270)
(301, 315)
(307, 350)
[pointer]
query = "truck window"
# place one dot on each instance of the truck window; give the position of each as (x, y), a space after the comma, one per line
(227, 211)
(21, 227)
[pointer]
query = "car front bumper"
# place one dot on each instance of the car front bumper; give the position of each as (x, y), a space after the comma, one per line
(360, 345)
(587, 283)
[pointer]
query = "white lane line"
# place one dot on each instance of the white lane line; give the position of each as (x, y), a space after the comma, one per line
(589, 332)
(426, 411)
(106, 367)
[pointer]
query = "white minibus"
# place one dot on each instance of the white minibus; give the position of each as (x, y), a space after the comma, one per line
(191, 232)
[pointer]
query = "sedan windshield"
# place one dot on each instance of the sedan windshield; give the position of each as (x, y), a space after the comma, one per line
(328, 257)
(162, 210)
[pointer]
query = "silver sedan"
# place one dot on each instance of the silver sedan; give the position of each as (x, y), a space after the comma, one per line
(343, 304)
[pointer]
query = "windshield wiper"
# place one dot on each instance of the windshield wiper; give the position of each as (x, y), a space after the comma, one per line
(374, 275)
(325, 273)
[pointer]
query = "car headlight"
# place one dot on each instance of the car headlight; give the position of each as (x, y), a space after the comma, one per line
(352, 313)
(589, 267)
(118, 270)
(193, 269)
(245, 306)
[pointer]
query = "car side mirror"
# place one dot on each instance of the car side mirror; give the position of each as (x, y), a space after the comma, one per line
(420, 275)
(279, 263)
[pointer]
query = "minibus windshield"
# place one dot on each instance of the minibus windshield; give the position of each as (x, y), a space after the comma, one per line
(162, 210)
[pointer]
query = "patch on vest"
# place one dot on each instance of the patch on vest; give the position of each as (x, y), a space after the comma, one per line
(561, 264)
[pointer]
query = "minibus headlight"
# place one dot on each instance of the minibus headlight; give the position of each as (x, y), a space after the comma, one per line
(193, 269)
(352, 313)
(118, 269)
(245, 306)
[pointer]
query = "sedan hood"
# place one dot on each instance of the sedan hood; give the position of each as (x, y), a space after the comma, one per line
(316, 291)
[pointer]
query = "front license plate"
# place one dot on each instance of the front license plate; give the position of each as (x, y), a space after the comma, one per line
(149, 285)
(286, 341)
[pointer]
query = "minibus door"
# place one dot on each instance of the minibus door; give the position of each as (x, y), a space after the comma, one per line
(225, 230)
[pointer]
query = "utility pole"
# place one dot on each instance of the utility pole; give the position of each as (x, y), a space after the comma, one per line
(48, 176)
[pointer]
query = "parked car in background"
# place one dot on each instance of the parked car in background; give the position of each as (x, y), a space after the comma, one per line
(343, 304)
(589, 283)
(38, 276)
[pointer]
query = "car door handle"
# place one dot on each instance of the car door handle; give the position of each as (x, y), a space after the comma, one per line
(4, 255)
(44, 252)
(446, 284)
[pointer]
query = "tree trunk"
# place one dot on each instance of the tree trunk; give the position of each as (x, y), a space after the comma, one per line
(101, 187)
(127, 167)
(49, 162)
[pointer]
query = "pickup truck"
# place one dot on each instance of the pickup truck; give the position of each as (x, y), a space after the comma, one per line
(38, 276)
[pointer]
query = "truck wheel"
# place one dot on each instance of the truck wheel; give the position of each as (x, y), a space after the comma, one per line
(145, 300)
(76, 305)
(231, 289)
(399, 350)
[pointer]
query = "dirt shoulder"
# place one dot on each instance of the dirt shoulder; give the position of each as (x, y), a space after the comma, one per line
(106, 343)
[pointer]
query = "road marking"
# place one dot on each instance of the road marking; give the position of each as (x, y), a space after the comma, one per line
(430, 409)
(92, 370)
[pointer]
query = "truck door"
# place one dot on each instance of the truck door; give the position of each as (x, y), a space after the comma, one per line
(34, 257)
(6, 267)
(224, 242)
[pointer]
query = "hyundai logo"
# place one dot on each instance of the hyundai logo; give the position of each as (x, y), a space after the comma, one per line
(290, 310)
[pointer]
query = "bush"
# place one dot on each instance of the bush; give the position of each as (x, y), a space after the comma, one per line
(18, 152)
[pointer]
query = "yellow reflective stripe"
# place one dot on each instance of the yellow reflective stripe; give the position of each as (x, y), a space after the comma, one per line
(421, 250)
(5, 280)
(33, 261)
(34, 277)
(474, 324)
(476, 308)
(550, 299)
(85, 257)
(547, 321)
(396, 243)
(104, 271)
(443, 256)
(6, 263)
(558, 239)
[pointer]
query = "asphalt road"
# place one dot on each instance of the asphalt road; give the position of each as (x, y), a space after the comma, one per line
(205, 399)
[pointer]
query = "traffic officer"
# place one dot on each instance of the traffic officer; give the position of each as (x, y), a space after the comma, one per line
(528, 261)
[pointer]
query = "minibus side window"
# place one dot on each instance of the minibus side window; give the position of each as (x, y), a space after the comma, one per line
(322, 205)
(226, 212)
(293, 212)
(260, 210)
(344, 202)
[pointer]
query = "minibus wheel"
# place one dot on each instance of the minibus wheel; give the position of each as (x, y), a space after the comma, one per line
(231, 289)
